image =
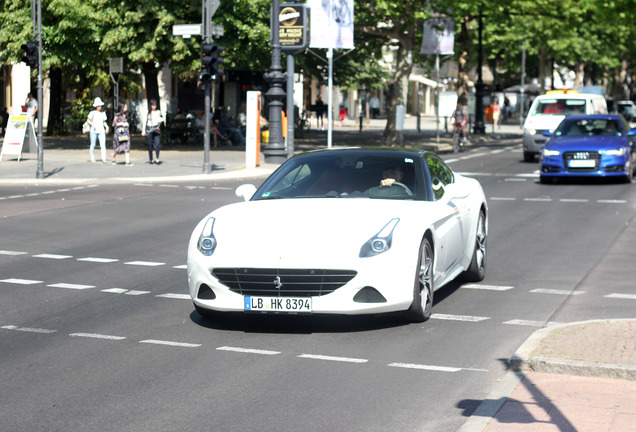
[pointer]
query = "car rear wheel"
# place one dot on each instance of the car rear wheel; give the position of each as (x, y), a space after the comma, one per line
(420, 309)
(528, 157)
(477, 270)
(630, 172)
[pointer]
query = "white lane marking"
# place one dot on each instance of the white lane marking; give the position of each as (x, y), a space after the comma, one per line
(71, 286)
(621, 296)
(32, 194)
(247, 350)
(3, 198)
(220, 188)
(16, 196)
(21, 281)
(48, 192)
(168, 186)
(502, 199)
(143, 184)
(512, 179)
(612, 201)
(28, 329)
(175, 296)
(488, 287)
(182, 266)
(538, 199)
(98, 260)
(97, 336)
(63, 190)
(115, 290)
(459, 317)
(530, 323)
(12, 253)
(574, 200)
(145, 263)
(555, 291)
(170, 343)
(424, 367)
(53, 256)
(79, 187)
(136, 293)
(330, 358)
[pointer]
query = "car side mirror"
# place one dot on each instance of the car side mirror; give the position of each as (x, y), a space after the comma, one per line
(547, 133)
(632, 132)
(245, 191)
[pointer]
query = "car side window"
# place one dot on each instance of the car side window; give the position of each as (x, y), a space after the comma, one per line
(441, 175)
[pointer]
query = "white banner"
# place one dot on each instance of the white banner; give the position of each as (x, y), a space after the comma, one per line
(331, 24)
(439, 36)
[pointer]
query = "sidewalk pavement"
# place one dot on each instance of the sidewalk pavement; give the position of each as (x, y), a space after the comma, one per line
(569, 377)
(66, 159)
(573, 377)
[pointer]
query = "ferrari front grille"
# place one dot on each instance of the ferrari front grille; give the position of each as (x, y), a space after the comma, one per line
(283, 282)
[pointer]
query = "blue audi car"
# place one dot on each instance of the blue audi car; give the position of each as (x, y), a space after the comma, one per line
(589, 146)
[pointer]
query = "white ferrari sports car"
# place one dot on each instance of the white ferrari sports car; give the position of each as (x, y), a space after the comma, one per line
(342, 231)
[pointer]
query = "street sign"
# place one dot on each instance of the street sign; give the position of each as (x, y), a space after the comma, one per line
(116, 65)
(293, 27)
(186, 30)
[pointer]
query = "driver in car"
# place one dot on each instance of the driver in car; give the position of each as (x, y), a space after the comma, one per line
(390, 175)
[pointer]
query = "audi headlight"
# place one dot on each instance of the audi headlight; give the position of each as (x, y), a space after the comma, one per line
(381, 242)
(548, 152)
(616, 152)
(207, 241)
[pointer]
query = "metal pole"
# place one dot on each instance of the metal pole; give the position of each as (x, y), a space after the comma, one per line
(523, 84)
(40, 172)
(436, 94)
(480, 123)
(207, 19)
(290, 105)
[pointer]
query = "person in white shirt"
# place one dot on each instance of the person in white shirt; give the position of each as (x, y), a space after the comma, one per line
(99, 128)
(152, 131)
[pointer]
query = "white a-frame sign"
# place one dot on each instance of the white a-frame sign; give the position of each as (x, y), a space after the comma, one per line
(19, 127)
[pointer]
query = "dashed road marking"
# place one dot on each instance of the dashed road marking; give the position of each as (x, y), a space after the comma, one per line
(53, 256)
(98, 260)
(466, 318)
(115, 290)
(175, 296)
(424, 367)
(621, 296)
(136, 292)
(248, 350)
(145, 263)
(529, 323)
(487, 287)
(21, 281)
(97, 336)
(331, 358)
(71, 286)
(28, 329)
(182, 266)
(170, 343)
(556, 292)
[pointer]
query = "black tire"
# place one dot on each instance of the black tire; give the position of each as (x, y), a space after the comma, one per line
(420, 309)
(477, 269)
(528, 157)
(630, 172)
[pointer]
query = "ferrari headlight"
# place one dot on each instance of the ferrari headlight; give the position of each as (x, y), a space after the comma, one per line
(616, 152)
(548, 152)
(381, 242)
(207, 241)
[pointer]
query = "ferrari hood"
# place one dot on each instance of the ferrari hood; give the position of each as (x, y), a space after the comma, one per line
(327, 231)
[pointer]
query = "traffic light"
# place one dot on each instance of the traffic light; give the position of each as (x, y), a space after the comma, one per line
(30, 53)
(211, 60)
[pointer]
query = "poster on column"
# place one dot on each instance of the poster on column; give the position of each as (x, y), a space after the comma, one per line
(19, 127)
(331, 24)
(438, 36)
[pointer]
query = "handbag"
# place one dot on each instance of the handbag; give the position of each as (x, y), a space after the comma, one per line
(86, 128)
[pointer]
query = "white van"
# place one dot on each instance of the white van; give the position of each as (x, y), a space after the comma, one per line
(547, 111)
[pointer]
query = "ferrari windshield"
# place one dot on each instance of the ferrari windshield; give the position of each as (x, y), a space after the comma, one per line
(589, 127)
(343, 174)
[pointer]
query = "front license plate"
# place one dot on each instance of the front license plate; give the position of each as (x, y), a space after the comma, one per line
(277, 304)
(582, 163)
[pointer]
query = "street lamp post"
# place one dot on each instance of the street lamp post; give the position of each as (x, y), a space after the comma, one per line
(275, 150)
(480, 126)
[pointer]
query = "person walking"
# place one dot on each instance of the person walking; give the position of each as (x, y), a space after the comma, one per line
(121, 135)
(320, 112)
(152, 132)
(97, 121)
(496, 112)
(32, 109)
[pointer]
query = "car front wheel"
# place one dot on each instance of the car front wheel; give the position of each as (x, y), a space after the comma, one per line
(420, 309)
(477, 270)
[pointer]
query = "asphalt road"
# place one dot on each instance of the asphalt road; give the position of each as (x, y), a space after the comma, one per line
(97, 332)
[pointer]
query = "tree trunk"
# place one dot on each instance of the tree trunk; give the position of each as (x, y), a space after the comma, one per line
(55, 102)
(542, 66)
(579, 78)
(397, 94)
(462, 61)
(152, 83)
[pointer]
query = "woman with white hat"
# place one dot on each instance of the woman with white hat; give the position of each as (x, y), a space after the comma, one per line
(99, 128)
